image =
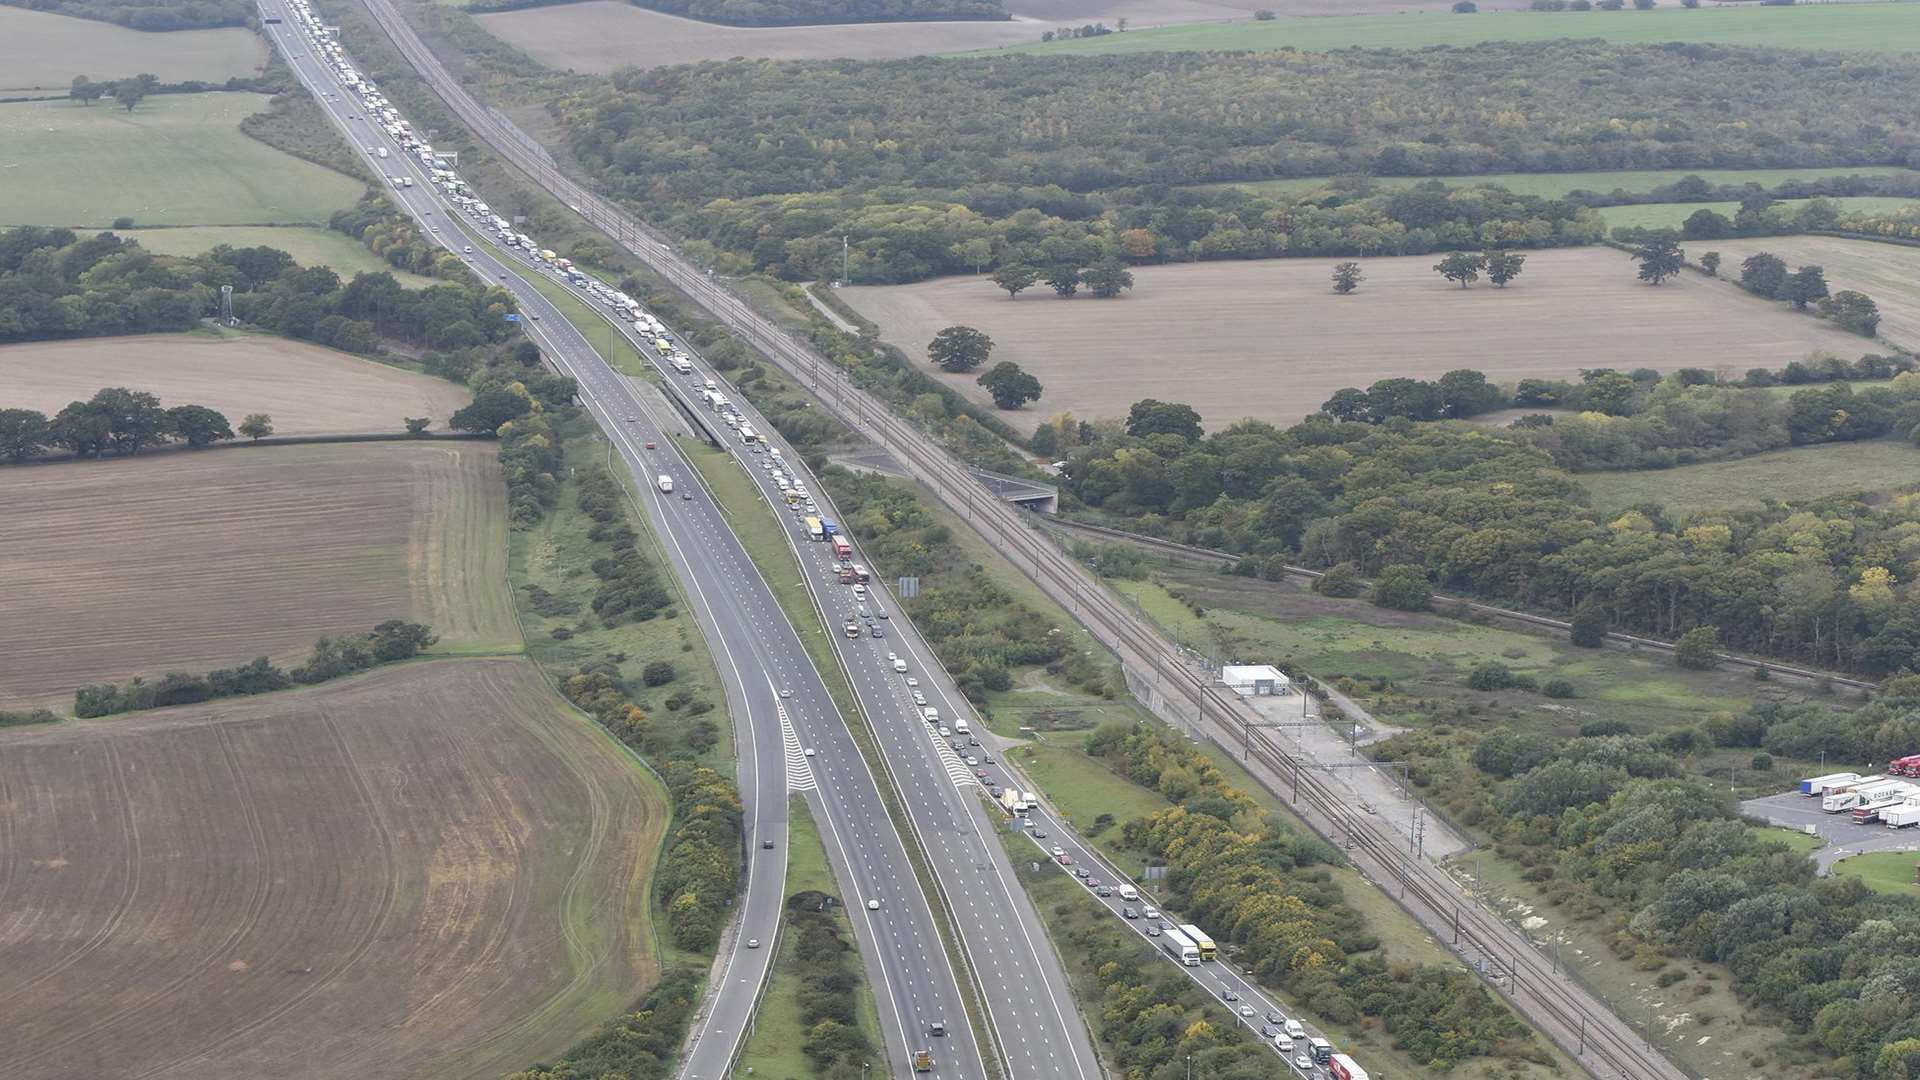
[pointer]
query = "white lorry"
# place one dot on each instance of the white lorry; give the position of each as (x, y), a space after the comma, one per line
(665, 483)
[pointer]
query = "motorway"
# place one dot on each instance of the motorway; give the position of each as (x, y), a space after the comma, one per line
(779, 704)
(1577, 1020)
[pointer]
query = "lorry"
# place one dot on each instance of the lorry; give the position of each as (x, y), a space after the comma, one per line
(1870, 794)
(1179, 946)
(1867, 813)
(1321, 1049)
(1847, 796)
(665, 483)
(1816, 786)
(1902, 816)
(1904, 766)
(1345, 1068)
(923, 1060)
(860, 575)
(683, 365)
(1011, 800)
(1208, 950)
(841, 549)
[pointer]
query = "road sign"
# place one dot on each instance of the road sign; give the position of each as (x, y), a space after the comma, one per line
(511, 317)
(908, 588)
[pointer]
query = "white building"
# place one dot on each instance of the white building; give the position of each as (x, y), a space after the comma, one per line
(1255, 680)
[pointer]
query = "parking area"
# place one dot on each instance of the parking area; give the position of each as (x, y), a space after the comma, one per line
(1795, 811)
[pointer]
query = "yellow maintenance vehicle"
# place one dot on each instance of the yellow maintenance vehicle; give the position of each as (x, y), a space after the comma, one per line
(923, 1061)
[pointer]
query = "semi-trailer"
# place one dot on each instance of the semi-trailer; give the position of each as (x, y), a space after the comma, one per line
(1902, 816)
(1345, 1068)
(1847, 796)
(1816, 786)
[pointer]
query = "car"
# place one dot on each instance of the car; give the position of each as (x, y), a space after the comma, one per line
(1276, 1019)
(988, 758)
(536, 318)
(1268, 1031)
(1295, 1029)
(1093, 883)
(753, 943)
(873, 905)
(912, 681)
(919, 698)
(1129, 913)
(686, 496)
(974, 761)
(467, 250)
(635, 420)
(1038, 834)
(649, 444)
(436, 229)
(880, 611)
(1103, 890)
(1063, 859)
(1153, 931)
(945, 733)
(1303, 1063)
(981, 773)
(503, 275)
(785, 693)
(1151, 912)
(1058, 851)
(971, 741)
(809, 751)
(1227, 993)
(1080, 871)
(766, 845)
(1246, 1011)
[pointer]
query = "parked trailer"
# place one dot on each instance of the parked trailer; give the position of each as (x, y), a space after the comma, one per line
(1869, 813)
(1820, 785)
(1848, 795)
(1900, 817)
(1904, 766)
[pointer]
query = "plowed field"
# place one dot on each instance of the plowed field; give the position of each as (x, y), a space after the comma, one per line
(194, 561)
(1268, 340)
(430, 871)
(305, 388)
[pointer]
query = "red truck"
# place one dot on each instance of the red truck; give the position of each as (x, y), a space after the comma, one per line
(1345, 1068)
(841, 549)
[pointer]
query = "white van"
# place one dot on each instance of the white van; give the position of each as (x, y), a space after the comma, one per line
(1295, 1030)
(961, 727)
(900, 666)
(1128, 892)
(932, 715)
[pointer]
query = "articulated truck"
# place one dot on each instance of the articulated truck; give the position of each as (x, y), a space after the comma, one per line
(1818, 786)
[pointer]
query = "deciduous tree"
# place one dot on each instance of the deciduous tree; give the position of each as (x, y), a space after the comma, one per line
(1808, 284)
(1504, 266)
(1151, 417)
(1710, 263)
(24, 434)
(1010, 386)
(1065, 280)
(959, 349)
(1016, 278)
(1763, 273)
(1107, 277)
(1461, 266)
(1659, 257)
(257, 426)
(1346, 277)
(198, 425)
(1855, 311)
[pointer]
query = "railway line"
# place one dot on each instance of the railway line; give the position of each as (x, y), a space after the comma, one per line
(1577, 1021)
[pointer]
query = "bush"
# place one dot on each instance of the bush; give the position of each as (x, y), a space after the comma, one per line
(1558, 688)
(1698, 649)
(1343, 579)
(1589, 627)
(1465, 7)
(658, 673)
(1403, 587)
(1761, 763)
(1492, 675)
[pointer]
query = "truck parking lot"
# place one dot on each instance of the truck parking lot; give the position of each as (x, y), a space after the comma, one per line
(1795, 811)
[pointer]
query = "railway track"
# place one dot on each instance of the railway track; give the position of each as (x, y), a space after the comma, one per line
(1580, 1023)
(1209, 555)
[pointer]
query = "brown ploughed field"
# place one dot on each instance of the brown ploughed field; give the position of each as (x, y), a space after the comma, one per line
(305, 388)
(432, 870)
(600, 35)
(192, 561)
(1269, 340)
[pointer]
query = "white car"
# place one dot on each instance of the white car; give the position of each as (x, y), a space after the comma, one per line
(973, 762)
(753, 943)
(1057, 852)
(1303, 1063)
(873, 905)
(1149, 913)
(912, 681)
(468, 250)
(944, 733)
(1246, 1011)
(809, 751)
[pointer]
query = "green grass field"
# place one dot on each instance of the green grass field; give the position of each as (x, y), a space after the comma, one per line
(1555, 184)
(309, 246)
(1792, 475)
(1890, 872)
(179, 159)
(1824, 26)
(41, 51)
(1671, 215)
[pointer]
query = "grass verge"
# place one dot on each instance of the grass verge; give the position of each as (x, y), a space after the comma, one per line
(1890, 872)
(774, 1048)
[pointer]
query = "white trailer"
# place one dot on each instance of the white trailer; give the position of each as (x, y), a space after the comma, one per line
(665, 482)
(1899, 817)
(1819, 786)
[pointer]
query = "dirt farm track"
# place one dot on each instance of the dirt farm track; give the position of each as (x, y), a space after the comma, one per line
(1268, 339)
(194, 561)
(432, 870)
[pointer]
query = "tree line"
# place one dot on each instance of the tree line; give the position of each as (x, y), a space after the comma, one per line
(115, 421)
(154, 15)
(332, 657)
(829, 974)
(1261, 890)
(951, 165)
(1613, 832)
(1492, 515)
(793, 12)
(130, 92)
(642, 1044)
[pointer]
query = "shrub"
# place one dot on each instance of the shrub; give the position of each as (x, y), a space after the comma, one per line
(1403, 587)
(1491, 675)
(1343, 579)
(1698, 649)
(658, 673)
(1589, 627)
(1558, 688)
(1761, 763)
